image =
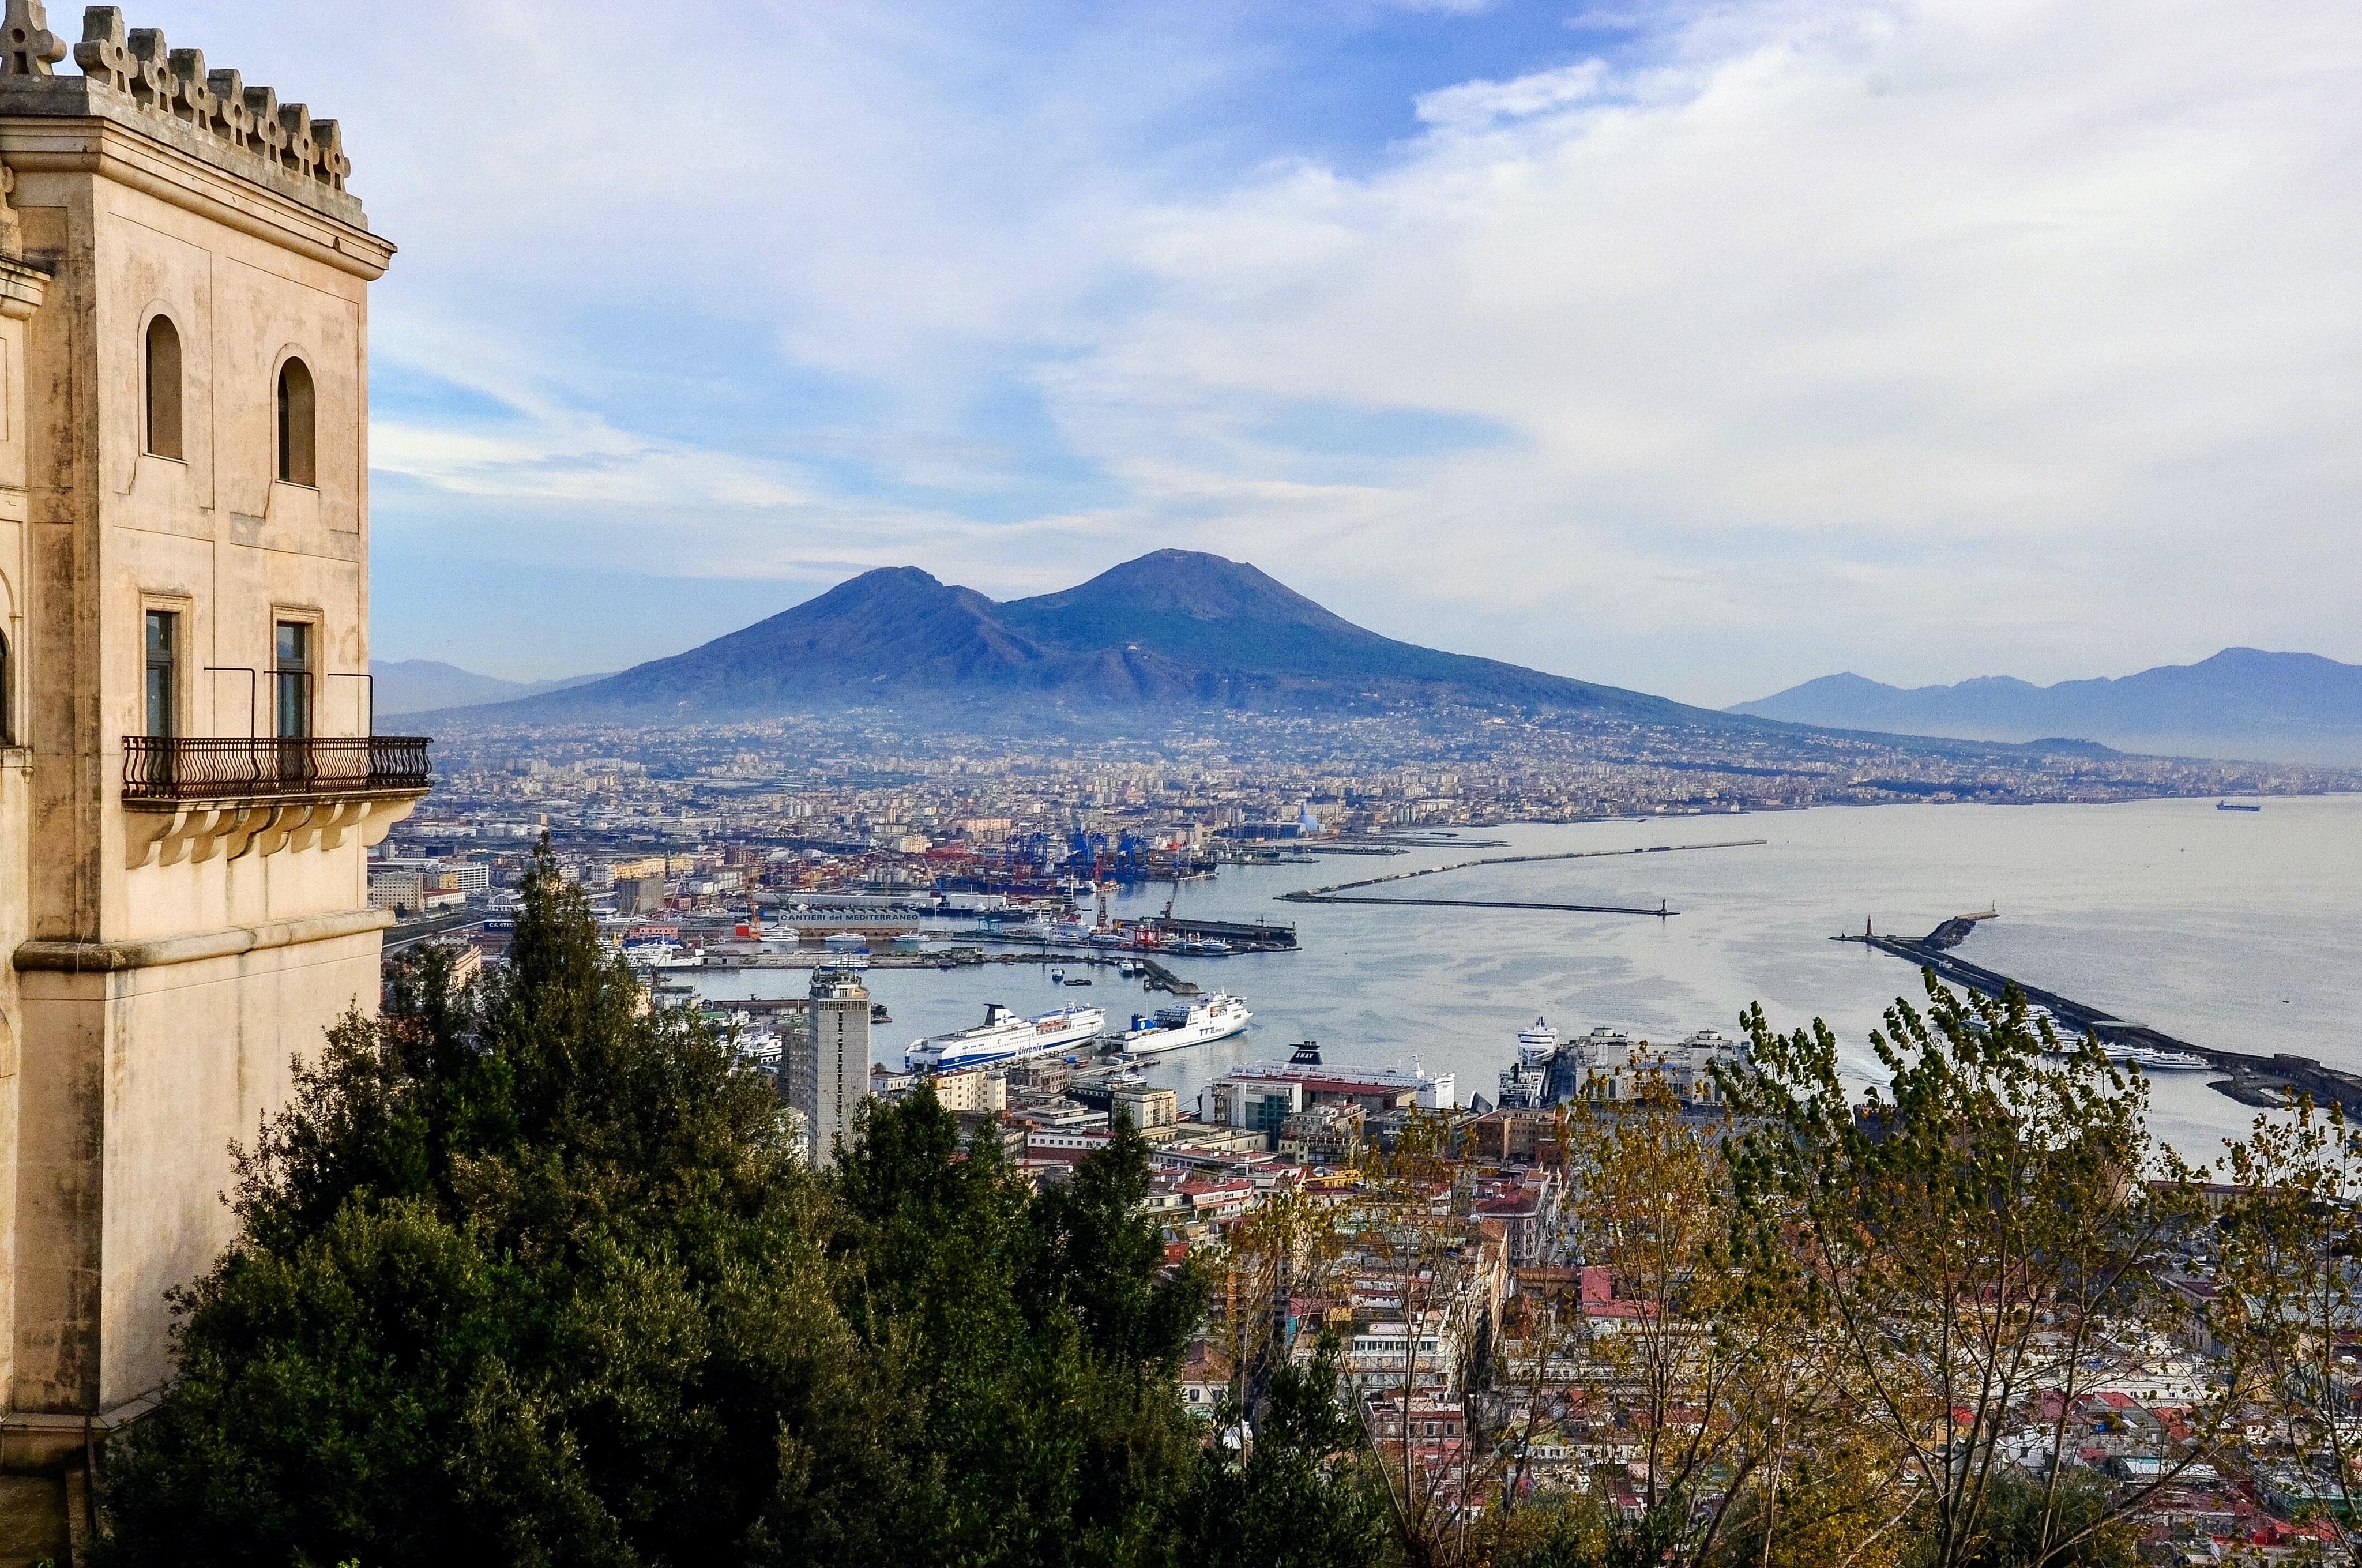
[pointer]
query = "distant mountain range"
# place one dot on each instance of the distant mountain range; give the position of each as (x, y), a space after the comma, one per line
(1173, 631)
(421, 685)
(2243, 702)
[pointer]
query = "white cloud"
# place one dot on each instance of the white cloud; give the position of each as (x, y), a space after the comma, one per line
(1933, 339)
(1476, 103)
(1927, 337)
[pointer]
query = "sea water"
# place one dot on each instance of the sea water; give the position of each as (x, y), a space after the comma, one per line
(2237, 930)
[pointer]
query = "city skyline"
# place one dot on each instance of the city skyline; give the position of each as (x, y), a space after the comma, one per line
(1720, 349)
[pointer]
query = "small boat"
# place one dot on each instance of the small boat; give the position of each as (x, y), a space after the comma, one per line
(2235, 806)
(1080, 981)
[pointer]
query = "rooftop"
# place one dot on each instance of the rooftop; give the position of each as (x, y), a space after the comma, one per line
(131, 78)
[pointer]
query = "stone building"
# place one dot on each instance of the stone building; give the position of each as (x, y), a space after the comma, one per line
(189, 780)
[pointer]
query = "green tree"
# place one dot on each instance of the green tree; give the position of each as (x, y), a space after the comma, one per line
(527, 1274)
(1303, 1495)
(1977, 1241)
(2291, 1296)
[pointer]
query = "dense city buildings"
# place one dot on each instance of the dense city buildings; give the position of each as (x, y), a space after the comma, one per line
(703, 819)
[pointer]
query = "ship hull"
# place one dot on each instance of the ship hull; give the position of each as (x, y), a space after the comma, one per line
(1157, 1041)
(982, 1047)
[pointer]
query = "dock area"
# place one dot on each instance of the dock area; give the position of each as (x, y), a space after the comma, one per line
(2263, 1081)
(1153, 975)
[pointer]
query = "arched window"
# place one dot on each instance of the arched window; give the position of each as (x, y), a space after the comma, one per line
(163, 387)
(8, 696)
(296, 447)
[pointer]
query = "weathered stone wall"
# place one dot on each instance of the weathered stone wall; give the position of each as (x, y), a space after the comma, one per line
(158, 995)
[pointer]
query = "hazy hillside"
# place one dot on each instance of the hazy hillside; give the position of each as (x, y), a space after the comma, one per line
(2243, 702)
(419, 685)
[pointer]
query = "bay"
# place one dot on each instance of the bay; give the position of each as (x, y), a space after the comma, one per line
(2231, 929)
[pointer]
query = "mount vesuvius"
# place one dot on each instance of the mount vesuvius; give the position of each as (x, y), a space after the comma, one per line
(1173, 631)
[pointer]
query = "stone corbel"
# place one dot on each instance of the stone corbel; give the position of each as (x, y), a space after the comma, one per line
(338, 818)
(382, 815)
(273, 830)
(197, 833)
(167, 838)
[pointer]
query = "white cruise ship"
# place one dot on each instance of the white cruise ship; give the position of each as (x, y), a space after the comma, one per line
(1184, 1024)
(1538, 1043)
(1003, 1037)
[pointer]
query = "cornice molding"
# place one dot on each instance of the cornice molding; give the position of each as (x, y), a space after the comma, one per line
(107, 150)
(106, 957)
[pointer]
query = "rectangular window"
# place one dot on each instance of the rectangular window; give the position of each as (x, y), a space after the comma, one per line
(292, 679)
(163, 671)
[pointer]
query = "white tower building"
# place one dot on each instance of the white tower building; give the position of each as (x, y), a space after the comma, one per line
(830, 1073)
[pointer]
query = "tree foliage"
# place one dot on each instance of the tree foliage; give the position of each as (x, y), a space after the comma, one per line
(529, 1273)
(1979, 1245)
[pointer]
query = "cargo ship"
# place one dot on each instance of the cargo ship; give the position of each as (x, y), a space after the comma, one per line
(1004, 1037)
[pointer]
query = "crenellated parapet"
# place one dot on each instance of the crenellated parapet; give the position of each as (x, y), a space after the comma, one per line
(132, 76)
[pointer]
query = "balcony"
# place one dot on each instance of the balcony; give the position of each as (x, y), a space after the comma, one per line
(165, 769)
(192, 798)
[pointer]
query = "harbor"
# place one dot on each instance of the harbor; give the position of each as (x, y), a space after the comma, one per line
(2105, 908)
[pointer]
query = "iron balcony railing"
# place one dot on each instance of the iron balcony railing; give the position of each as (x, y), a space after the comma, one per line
(177, 767)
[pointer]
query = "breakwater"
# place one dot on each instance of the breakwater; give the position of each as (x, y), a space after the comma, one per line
(1662, 911)
(1336, 893)
(2258, 1080)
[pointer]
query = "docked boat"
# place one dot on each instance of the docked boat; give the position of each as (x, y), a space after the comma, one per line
(1525, 1083)
(1199, 1021)
(2154, 1059)
(1003, 1036)
(1538, 1042)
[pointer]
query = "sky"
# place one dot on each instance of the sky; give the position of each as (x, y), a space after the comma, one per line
(1701, 348)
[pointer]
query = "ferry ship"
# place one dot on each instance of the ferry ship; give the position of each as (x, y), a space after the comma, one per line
(1184, 1024)
(1004, 1037)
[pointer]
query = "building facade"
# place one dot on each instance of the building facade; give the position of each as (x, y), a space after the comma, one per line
(828, 1074)
(189, 782)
